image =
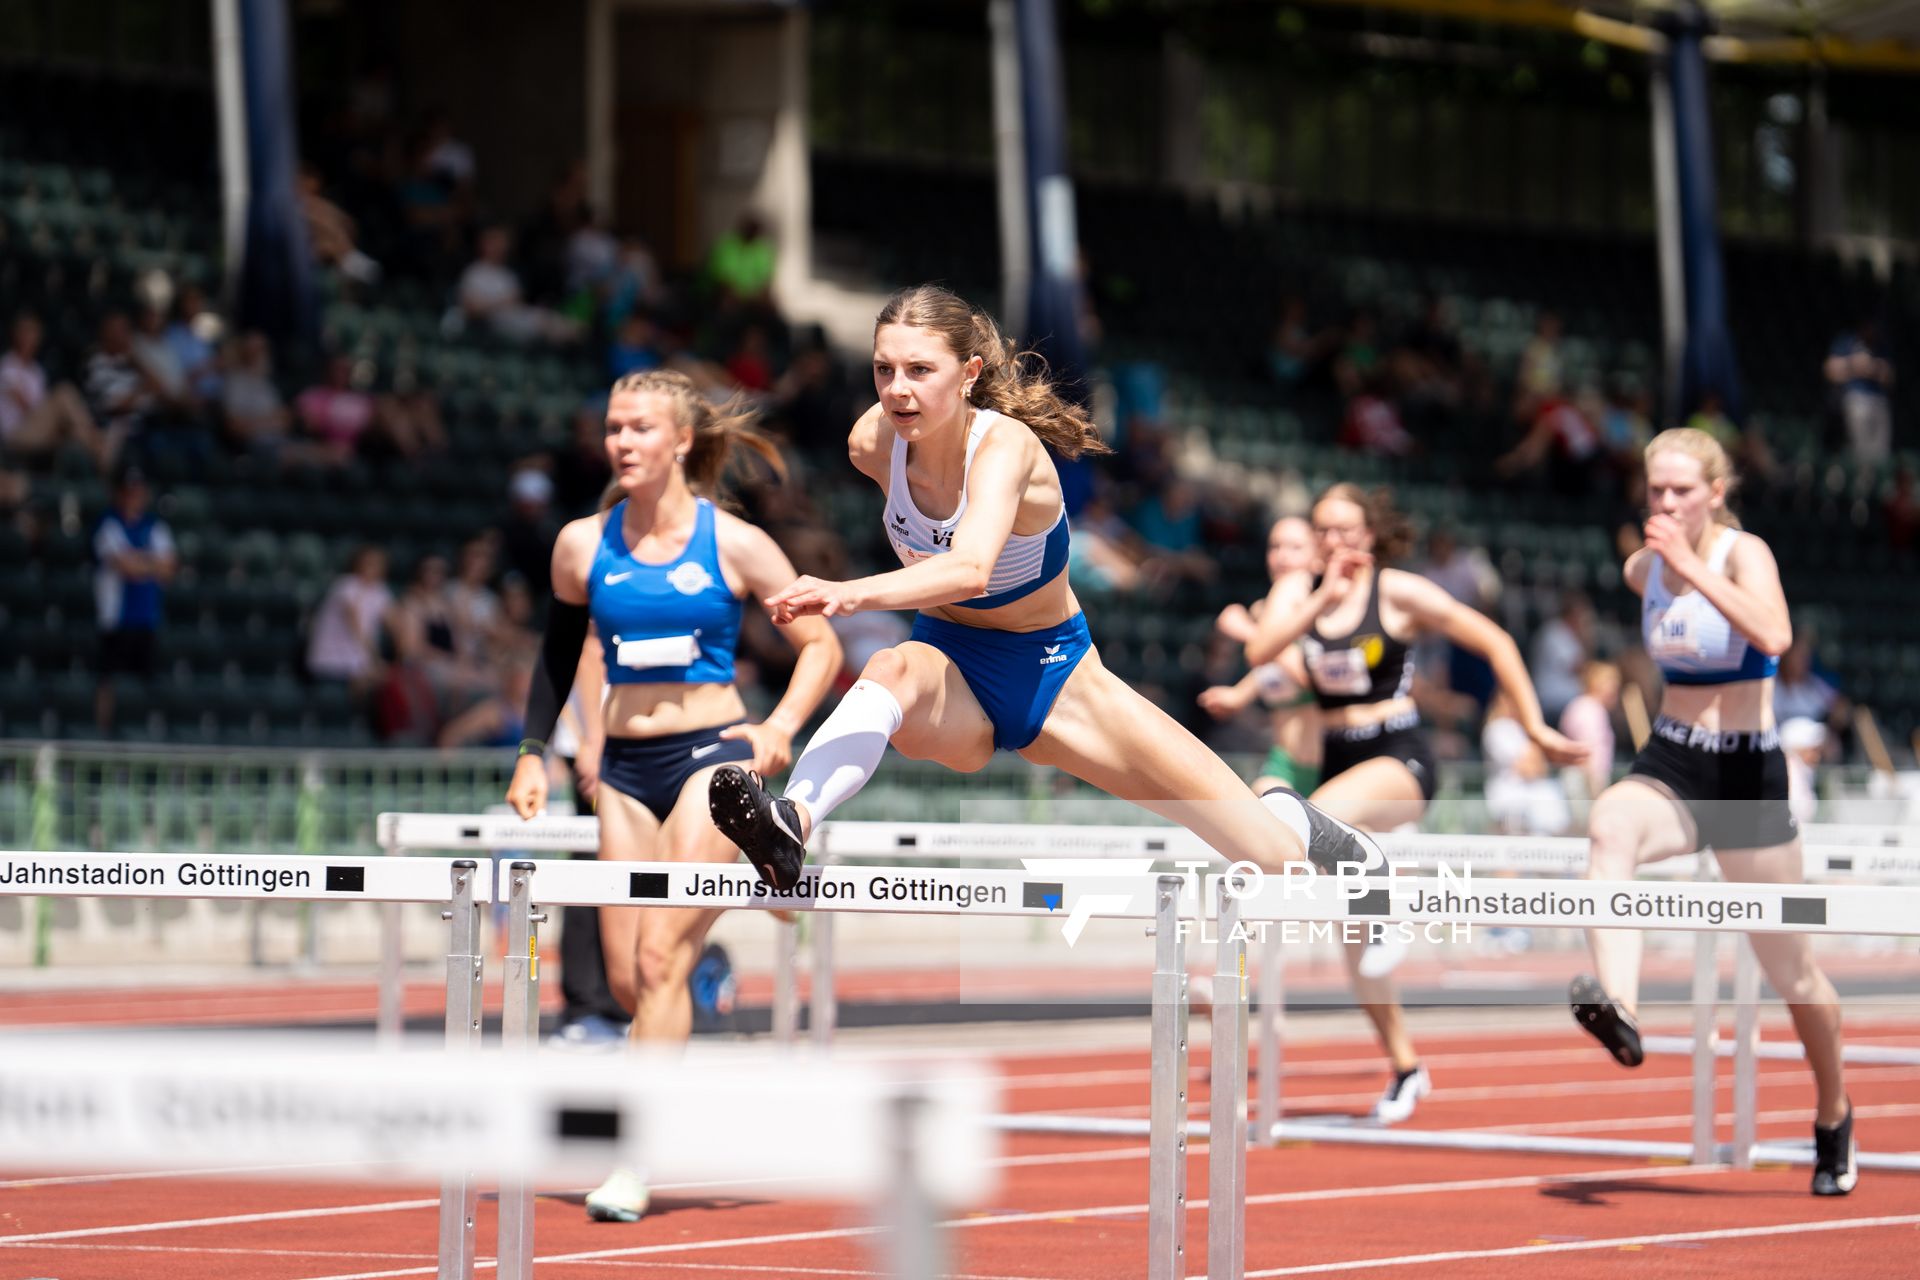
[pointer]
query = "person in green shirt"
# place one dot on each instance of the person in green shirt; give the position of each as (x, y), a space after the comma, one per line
(742, 262)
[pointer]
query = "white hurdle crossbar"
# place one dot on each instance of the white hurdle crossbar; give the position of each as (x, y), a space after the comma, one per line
(457, 884)
(1858, 854)
(1761, 908)
(399, 833)
(837, 1129)
(832, 1130)
(1166, 900)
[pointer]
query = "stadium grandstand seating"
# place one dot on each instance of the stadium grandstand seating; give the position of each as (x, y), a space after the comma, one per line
(85, 209)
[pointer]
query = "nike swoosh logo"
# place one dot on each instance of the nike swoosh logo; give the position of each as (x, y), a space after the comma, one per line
(613, 578)
(709, 749)
(781, 823)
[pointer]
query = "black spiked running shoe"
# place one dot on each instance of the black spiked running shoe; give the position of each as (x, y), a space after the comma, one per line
(1835, 1169)
(1332, 841)
(1605, 1021)
(765, 826)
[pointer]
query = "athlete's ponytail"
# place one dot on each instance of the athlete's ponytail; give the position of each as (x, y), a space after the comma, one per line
(715, 430)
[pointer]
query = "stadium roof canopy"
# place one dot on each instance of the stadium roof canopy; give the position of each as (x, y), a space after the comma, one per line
(1873, 35)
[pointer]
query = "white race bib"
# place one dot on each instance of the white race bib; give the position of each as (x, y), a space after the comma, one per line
(661, 651)
(1675, 634)
(1342, 672)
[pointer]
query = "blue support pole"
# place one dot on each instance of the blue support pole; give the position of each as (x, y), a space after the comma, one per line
(1708, 366)
(274, 290)
(1052, 251)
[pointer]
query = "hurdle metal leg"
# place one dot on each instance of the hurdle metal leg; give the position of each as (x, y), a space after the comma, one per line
(1227, 1101)
(459, 1193)
(1746, 1015)
(1167, 1131)
(390, 1020)
(822, 1011)
(1271, 959)
(519, 1032)
(914, 1242)
(1706, 995)
(786, 982)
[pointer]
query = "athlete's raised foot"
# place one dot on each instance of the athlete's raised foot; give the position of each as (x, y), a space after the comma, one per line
(1605, 1021)
(1331, 842)
(765, 826)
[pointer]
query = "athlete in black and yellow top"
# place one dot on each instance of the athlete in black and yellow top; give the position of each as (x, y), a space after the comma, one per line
(1354, 626)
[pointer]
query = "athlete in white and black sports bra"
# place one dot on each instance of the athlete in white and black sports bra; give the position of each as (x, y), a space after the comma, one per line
(1354, 626)
(1714, 618)
(1000, 658)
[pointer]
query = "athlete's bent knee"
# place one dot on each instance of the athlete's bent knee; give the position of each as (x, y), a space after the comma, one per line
(1613, 845)
(660, 961)
(889, 668)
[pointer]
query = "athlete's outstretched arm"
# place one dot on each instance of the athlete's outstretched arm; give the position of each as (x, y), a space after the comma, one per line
(1433, 610)
(995, 485)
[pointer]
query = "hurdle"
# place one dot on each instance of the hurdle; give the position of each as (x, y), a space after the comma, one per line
(1857, 854)
(1173, 906)
(1762, 908)
(838, 1128)
(1853, 855)
(842, 1130)
(398, 834)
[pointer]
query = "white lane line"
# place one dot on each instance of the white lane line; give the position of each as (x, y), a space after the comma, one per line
(743, 1269)
(1576, 1246)
(121, 1247)
(81, 1179)
(1571, 1088)
(181, 1224)
(1098, 1211)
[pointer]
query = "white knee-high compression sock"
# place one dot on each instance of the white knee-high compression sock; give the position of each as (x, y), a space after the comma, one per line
(846, 750)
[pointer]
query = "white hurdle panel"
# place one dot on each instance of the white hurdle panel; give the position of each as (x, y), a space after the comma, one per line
(94, 1100)
(835, 1129)
(1299, 898)
(1857, 854)
(1542, 904)
(825, 1130)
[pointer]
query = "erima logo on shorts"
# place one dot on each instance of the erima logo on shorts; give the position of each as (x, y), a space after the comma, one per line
(1054, 655)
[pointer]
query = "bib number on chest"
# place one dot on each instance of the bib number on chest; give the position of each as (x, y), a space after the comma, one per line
(1343, 672)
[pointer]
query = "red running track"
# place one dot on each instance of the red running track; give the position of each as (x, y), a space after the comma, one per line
(1072, 1209)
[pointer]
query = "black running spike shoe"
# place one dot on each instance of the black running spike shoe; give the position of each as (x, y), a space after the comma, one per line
(1835, 1169)
(1605, 1021)
(1334, 842)
(765, 826)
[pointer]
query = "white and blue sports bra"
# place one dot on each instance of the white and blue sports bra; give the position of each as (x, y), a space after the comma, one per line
(1027, 562)
(1688, 638)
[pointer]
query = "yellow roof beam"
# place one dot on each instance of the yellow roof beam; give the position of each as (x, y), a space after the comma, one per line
(1832, 51)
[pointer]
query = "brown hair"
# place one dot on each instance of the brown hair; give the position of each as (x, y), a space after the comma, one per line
(1392, 532)
(1011, 381)
(715, 430)
(1715, 465)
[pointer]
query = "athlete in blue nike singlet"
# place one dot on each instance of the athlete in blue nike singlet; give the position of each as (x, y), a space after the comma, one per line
(1000, 657)
(661, 575)
(1714, 619)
